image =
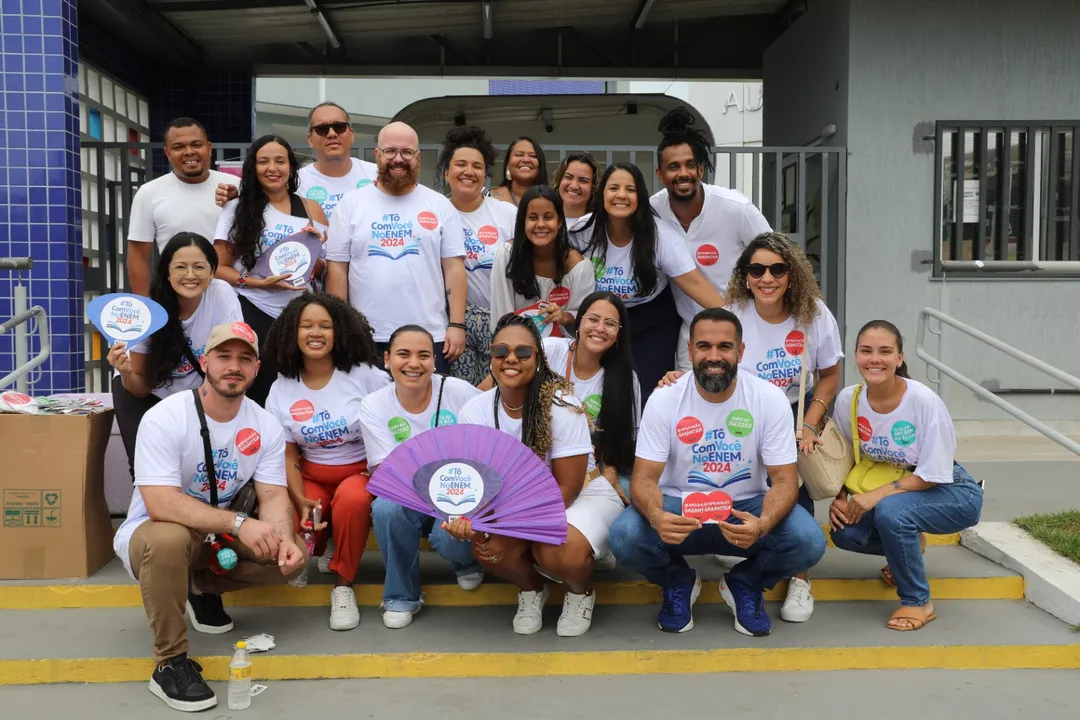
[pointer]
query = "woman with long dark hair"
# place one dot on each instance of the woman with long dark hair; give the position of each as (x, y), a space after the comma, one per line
(464, 164)
(266, 211)
(536, 405)
(168, 361)
(634, 257)
(539, 274)
(325, 356)
(524, 167)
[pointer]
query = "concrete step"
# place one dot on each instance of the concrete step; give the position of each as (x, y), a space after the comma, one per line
(111, 645)
(955, 572)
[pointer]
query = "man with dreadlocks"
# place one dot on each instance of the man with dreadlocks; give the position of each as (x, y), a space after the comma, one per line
(717, 223)
(537, 406)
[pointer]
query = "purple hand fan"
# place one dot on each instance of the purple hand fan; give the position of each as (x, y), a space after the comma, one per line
(295, 256)
(477, 472)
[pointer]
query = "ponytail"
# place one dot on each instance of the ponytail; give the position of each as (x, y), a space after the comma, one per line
(902, 371)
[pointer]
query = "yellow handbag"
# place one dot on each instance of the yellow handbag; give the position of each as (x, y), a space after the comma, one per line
(867, 474)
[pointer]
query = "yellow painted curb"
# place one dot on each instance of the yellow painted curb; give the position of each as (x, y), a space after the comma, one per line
(640, 592)
(636, 662)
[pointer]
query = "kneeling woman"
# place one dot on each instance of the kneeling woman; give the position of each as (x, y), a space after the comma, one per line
(908, 482)
(325, 356)
(534, 404)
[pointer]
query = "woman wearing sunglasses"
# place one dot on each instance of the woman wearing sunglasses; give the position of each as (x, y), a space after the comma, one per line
(536, 405)
(538, 274)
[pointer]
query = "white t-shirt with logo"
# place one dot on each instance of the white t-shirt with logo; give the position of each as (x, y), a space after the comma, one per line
(167, 205)
(579, 234)
(728, 221)
(395, 245)
(717, 446)
(576, 285)
(218, 305)
(325, 424)
(169, 452)
(615, 273)
(277, 227)
(569, 428)
(386, 424)
(485, 229)
(328, 191)
(773, 352)
(918, 434)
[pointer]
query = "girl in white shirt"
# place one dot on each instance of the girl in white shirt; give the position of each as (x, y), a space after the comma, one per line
(538, 274)
(168, 361)
(325, 354)
(903, 423)
(266, 211)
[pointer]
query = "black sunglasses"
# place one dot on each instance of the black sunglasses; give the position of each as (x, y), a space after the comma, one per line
(323, 130)
(523, 352)
(757, 270)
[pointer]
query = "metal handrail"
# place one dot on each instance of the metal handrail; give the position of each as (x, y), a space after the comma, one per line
(982, 392)
(43, 333)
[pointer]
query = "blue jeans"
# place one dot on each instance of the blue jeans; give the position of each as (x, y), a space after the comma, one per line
(794, 546)
(398, 531)
(892, 529)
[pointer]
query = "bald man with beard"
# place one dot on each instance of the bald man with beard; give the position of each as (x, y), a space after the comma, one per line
(396, 251)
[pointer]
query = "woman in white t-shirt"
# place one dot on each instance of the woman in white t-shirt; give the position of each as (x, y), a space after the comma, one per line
(634, 257)
(578, 179)
(168, 361)
(464, 165)
(902, 423)
(538, 274)
(536, 405)
(325, 356)
(416, 401)
(266, 211)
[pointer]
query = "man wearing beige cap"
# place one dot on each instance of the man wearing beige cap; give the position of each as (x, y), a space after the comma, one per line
(177, 504)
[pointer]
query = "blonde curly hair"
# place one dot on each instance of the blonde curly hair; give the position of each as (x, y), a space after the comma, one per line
(802, 293)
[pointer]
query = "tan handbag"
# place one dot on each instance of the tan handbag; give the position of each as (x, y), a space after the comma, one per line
(823, 471)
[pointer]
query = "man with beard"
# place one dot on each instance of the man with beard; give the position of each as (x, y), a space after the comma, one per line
(716, 223)
(396, 251)
(707, 448)
(181, 201)
(162, 543)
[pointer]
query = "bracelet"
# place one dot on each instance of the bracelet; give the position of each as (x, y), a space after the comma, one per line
(812, 429)
(460, 326)
(823, 404)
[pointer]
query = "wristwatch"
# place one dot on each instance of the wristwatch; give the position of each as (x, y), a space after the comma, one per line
(242, 280)
(240, 518)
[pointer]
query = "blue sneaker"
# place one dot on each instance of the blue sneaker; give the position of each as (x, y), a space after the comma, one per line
(677, 612)
(747, 604)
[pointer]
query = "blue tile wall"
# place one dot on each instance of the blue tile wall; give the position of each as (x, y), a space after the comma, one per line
(40, 193)
(546, 87)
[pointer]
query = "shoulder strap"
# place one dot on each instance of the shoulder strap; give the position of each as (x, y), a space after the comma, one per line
(438, 403)
(855, 421)
(208, 452)
(297, 208)
(802, 391)
(195, 364)
(569, 361)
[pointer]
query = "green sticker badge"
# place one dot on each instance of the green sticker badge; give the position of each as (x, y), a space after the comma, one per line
(599, 267)
(592, 405)
(903, 433)
(740, 423)
(444, 418)
(318, 194)
(363, 183)
(400, 428)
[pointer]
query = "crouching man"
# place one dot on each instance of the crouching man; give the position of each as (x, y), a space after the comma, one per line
(163, 541)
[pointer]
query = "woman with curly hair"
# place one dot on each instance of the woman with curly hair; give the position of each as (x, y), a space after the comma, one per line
(168, 361)
(325, 354)
(266, 211)
(464, 165)
(536, 405)
(524, 167)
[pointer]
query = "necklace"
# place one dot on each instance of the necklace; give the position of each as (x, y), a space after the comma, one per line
(511, 409)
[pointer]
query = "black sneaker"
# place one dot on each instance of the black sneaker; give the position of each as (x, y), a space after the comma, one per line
(207, 614)
(178, 681)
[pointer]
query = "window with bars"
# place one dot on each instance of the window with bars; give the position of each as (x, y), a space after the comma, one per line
(1007, 196)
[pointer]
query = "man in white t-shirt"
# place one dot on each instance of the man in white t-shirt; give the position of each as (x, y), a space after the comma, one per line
(335, 171)
(162, 543)
(181, 201)
(707, 447)
(716, 223)
(396, 251)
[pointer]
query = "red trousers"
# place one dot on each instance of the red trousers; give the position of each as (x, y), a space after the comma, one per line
(346, 509)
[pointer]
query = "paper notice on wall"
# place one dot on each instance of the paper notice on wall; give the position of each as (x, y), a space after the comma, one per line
(971, 201)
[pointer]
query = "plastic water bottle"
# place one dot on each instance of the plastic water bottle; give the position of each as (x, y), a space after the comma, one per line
(301, 580)
(240, 678)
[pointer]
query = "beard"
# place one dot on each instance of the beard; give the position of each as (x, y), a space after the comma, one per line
(229, 386)
(714, 383)
(684, 198)
(398, 184)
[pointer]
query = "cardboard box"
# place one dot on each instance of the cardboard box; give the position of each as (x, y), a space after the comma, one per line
(55, 521)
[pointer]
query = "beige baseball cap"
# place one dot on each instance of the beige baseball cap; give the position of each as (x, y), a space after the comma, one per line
(233, 331)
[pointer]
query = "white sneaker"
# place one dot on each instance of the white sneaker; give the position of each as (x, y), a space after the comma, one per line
(343, 612)
(529, 617)
(576, 617)
(799, 605)
(324, 561)
(470, 581)
(604, 563)
(397, 619)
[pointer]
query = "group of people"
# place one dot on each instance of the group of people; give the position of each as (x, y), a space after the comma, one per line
(644, 348)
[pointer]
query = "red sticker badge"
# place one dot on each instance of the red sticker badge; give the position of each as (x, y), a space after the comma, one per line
(559, 295)
(707, 507)
(865, 431)
(488, 235)
(428, 220)
(707, 255)
(14, 398)
(248, 441)
(794, 343)
(302, 410)
(244, 331)
(689, 430)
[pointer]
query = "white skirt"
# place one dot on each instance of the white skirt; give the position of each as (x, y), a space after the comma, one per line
(593, 512)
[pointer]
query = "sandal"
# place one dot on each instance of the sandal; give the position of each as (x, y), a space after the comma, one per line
(886, 573)
(913, 615)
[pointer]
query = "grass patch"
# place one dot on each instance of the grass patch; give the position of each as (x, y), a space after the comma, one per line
(1060, 531)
